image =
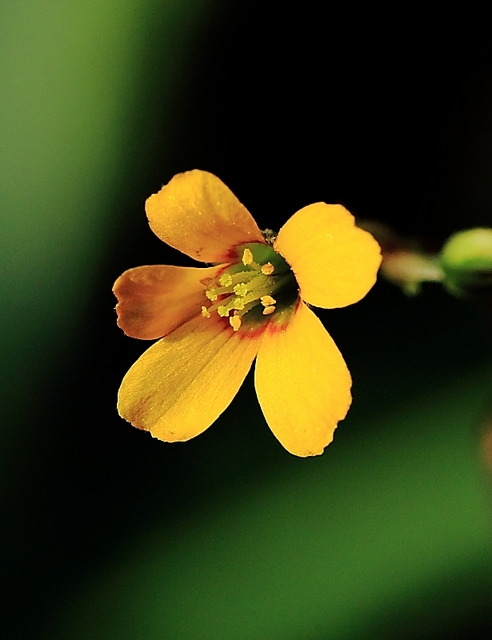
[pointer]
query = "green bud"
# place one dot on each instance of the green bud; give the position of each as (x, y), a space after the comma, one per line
(466, 260)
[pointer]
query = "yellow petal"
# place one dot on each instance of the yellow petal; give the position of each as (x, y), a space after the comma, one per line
(302, 382)
(179, 386)
(154, 300)
(198, 215)
(335, 262)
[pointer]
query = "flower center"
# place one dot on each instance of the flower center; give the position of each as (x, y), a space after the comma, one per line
(260, 284)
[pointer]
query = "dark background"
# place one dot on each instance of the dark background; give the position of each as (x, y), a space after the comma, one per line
(389, 115)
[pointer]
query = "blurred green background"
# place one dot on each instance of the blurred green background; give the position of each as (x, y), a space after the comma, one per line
(109, 534)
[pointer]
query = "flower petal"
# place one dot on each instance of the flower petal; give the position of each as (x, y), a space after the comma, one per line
(154, 300)
(179, 386)
(303, 383)
(335, 262)
(197, 214)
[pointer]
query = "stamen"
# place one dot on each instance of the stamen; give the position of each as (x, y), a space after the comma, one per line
(205, 312)
(247, 257)
(268, 310)
(267, 269)
(235, 322)
(266, 301)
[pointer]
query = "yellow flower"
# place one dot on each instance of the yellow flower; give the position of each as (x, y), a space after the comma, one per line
(253, 302)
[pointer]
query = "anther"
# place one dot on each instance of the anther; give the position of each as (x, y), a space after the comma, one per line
(235, 322)
(266, 301)
(268, 310)
(247, 257)
(205, 312)
(267, 269)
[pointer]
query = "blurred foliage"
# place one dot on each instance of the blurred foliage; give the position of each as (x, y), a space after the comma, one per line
(379, 535)
(110, 533)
